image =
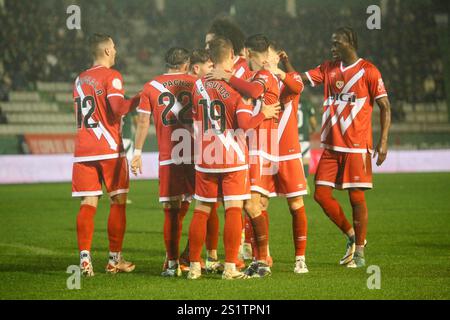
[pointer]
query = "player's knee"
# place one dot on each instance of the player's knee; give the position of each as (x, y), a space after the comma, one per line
(357, 197)
(321, 194)
(264, 203)
(119, 199)
(171, 204)
(91, 201)
(295, 203)
(251, 209)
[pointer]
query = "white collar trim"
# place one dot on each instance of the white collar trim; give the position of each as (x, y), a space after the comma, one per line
(350, 66)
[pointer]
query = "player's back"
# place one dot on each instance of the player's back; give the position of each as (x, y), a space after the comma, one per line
(98, 128)
(169, 101)
(215, 108)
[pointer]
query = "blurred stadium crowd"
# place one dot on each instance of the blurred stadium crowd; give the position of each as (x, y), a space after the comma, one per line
(37, 46)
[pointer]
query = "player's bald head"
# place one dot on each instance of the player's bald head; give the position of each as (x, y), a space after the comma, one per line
(220, 49)
(98, 42)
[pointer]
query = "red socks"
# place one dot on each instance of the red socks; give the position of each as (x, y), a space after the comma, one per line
(183, 211)
(266, 215)
(116, 227)
(360, 215)
(248, 229)
(212, 235)
(172, 232)
(323, 195)
(85, 226)
(300, 229)
(232, 233)
(260, 234)
(197, 235)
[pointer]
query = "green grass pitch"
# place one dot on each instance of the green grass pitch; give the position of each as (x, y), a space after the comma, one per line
(409, 239)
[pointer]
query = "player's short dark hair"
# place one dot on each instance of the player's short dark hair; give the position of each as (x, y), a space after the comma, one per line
(275, 45)
(350, 34)
(225, 27)
(175, 57)
(95, 41)
(219, 48)
(199, 56)
(257, 43)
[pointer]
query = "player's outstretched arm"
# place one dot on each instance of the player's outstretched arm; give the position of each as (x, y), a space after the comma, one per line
(143, 123)
(252, 89)
(247, 121)
(121, 106)
(385, 122)
(249, 89)
(304, 77)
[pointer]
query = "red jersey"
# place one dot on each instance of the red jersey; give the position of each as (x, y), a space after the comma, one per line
(241, 69)
(288, 141)
(267, 143)
(350, 93)
(98, 128)
(220, 144)
(168, 99)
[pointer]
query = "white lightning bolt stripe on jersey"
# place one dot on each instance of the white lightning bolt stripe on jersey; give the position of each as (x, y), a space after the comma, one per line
(344, 123)
(227, 141)
(100, 130)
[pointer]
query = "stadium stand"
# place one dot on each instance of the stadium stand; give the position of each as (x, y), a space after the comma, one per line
(36, 85)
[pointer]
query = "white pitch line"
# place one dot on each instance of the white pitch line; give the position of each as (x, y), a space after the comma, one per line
(31, 249)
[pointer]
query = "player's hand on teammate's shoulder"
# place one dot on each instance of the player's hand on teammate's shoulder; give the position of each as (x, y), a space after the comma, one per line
(271, 110)
(219, 74)
(381, 150)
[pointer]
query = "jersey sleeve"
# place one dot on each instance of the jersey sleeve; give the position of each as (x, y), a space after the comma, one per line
(243, 106)
(263, 79)
(144, 102)
(244, 114)
(114, 85)
(293, 82)
(375, 84)
(316, 76)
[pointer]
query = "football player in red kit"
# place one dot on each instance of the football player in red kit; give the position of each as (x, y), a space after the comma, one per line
(168, 99)
(351, 87)
(264, 88)
(199, 65)
(99, 154)
(290, 179)
(226, 28)
(222, 166)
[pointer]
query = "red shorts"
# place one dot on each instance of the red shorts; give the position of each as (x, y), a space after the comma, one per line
(288, 179)
(87, 177)
(212, 187)
(255, 170)
(176, 182)
(343, 170)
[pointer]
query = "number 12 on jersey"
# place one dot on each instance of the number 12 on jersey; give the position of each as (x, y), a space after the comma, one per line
(87, 103)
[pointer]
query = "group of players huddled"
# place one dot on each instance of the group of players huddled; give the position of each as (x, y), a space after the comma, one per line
(227, 129)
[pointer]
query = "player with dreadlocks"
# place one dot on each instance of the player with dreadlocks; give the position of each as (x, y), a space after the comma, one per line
(351, 86)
